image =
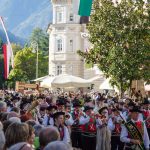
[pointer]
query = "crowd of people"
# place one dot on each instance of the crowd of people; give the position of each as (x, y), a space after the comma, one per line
(73, 121)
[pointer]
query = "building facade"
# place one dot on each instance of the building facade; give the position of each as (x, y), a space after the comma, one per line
(65, 40)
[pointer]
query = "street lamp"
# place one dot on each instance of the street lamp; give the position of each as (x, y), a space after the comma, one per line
(35, 47)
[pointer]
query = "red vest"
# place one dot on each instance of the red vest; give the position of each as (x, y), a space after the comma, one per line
(90, 126)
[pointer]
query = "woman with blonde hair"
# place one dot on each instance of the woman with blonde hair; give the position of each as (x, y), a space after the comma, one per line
(15, 133)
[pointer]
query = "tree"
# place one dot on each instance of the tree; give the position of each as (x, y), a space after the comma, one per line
(120, 38)
(16, 48)
(41, 38)
(24, 65)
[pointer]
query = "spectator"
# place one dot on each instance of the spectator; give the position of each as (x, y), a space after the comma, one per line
(2, 137)
(58, 145)
(12, 114)
(3, 106)
(31, 122)
(21, 146)
(16, 109)
(6, 124)
(48, 135)
(31, 135)
(15, 133)
(37, 129)
(15, 119)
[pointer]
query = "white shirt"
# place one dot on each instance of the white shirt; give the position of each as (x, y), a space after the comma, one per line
(124, 136)
(45, 120)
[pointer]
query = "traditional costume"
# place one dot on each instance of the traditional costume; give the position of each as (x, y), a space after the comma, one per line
(114, 124)
(48, 118)
(103, 137)
(135, 130)
(146, 115)
(88, 130)
(63, 130)
(76, 127)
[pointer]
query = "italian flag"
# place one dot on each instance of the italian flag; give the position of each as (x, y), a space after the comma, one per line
(7, 57)
(7, 52)
(82, 7)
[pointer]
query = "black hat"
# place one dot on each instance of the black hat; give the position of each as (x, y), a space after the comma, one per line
(76, 103)
(135, 109)
(103, 108)
(88, 108)
(131, 103)
(61, 101)
(50, 107)
(146, 101)
(57, 114)
(114, 109)
(88, 99)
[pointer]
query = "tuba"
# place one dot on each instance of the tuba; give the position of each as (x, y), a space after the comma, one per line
(28, 114)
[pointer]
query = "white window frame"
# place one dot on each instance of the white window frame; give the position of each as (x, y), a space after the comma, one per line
(59, 14)
(59, 45)
(59, 69)
(71, 45)
(71, 17)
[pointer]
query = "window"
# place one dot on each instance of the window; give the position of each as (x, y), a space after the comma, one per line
(59, 45)
(70, 69)
(71, 45)
(59, 17)
(71, 17)
(58, 69)
(59, 14)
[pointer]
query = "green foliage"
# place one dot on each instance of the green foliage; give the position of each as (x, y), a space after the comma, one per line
(16, 48)
(25, 65)
(120, 38)
(41, 38)
(25, 59)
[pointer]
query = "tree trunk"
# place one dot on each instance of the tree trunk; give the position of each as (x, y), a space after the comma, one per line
(130, 87)
(121, 89)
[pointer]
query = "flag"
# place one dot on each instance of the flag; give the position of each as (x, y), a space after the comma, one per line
(6, 60)
(7, 52)
(9, 48)
(82, 7)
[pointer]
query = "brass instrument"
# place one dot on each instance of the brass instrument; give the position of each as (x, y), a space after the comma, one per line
(28, 115)
(34, 104)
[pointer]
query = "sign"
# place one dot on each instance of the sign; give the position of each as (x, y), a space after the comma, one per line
(25, 86)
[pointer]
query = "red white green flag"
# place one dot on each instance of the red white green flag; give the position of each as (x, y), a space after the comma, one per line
(82, 7)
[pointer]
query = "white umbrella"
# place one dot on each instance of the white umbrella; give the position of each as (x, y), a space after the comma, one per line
(46, 82)
(42, 78)
(65, 80)
(106, 85)
(147, 87)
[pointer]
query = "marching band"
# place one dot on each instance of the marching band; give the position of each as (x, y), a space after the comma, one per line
(87, 123)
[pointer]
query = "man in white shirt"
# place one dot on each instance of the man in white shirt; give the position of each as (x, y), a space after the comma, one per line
(131, 142)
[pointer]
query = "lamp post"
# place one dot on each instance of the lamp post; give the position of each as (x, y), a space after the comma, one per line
(35, 47)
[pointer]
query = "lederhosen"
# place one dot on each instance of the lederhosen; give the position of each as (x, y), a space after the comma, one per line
(116, 144)
(130, 146)
(89, 135)
(76, 132)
